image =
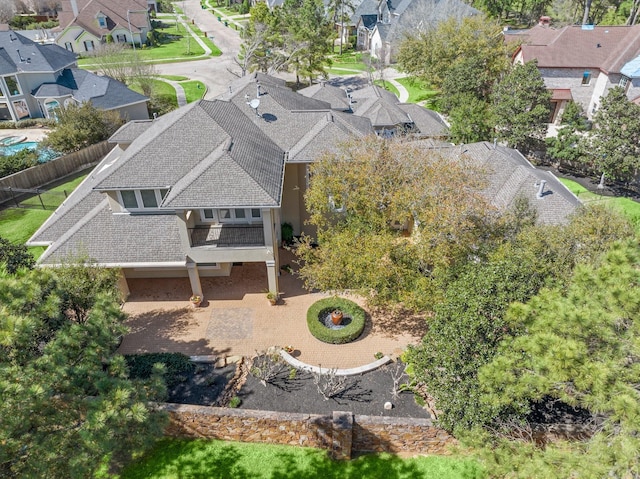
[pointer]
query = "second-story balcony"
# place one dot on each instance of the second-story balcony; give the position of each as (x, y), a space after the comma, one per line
(227, 236)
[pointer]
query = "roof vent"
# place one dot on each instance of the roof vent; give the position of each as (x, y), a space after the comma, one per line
(540, 186)
(598, 45)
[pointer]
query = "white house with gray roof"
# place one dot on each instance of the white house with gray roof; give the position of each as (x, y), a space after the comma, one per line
(35, 79)
(382, 24)
(209, 185)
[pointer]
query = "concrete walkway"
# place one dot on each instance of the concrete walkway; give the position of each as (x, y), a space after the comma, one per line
(180, 94)
(404, 94)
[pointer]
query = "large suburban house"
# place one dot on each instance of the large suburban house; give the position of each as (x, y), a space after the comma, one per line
(87, 24)
(382, 24)
(581, 63)
(209, 185)
(35, 79)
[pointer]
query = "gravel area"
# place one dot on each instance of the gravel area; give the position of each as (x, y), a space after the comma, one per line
(298, 393)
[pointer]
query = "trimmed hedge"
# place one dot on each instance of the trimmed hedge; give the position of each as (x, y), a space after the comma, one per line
(176, 364)
(335, 336)
(28, 123)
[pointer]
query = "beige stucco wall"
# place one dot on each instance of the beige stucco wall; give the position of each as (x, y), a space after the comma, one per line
(138, 111)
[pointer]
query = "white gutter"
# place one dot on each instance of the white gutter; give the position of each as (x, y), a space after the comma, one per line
(165, 264)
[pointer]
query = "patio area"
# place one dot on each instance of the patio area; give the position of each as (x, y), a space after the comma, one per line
(237, 320)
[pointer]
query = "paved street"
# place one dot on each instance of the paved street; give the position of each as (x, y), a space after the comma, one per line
(213, 72)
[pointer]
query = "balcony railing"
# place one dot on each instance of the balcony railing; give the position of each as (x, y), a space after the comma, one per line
(227, 236)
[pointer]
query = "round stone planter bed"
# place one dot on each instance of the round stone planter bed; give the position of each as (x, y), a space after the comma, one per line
(321, 326)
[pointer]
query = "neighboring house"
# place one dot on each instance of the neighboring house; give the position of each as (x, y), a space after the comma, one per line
(36, 78)
(87, 24)
(581, 63)
(210, 184)
(382, 24)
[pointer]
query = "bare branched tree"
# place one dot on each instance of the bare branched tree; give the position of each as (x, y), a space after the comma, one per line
(267, 367)
(397, 374)
(331, 385)
(7, 11)
(116, 61)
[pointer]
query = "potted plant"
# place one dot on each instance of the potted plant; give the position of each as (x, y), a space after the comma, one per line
(195, 300)
(272, 296)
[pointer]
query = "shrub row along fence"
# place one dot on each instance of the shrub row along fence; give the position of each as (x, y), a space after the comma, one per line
(40, 175)
(342, 432)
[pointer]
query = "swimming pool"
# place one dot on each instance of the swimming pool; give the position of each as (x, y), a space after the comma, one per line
(46, 154)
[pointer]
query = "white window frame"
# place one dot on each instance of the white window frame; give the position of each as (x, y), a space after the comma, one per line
(586, 75)
(68, 46)
(121, 37)
(624, 82)
(140, 203)
(15, 79)
(89, 42)
(247, 220)
(102, 21)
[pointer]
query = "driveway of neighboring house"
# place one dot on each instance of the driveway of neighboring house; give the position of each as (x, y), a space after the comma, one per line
(237, 320)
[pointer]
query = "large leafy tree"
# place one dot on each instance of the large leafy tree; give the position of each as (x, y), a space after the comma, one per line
(360, 190)
(579, 345)
(80, 126)
(68, 407)
(433, 54)
(614, 144)
(14, 256)
(470, 320)
(521, 107)
(464, 59)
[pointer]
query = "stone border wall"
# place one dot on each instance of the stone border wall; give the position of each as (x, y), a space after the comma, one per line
(342, 432)
(56, 169)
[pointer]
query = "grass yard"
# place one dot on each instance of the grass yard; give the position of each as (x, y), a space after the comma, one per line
(418, 90)
(388, 86)
(173, 77)
(160, 88)
(626, 206)
(176, 458)
(18, 224)
(194, 90)
(347, 64)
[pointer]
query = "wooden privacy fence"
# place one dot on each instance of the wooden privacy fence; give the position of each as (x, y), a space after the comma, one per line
(45, 173)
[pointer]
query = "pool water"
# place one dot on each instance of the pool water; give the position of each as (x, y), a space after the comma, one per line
(45, 155)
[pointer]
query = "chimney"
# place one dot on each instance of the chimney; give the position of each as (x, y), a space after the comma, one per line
(540, 188)
(74, 7)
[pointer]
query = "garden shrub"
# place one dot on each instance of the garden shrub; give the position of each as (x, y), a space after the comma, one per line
(19, 161)
(287, 233)
(335, 336)
(176, 364)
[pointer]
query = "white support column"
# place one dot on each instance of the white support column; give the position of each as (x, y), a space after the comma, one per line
(272, 276)
(123, 286)
(194, 279)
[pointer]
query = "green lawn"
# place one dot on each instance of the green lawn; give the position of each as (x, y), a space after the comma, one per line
(161, 89)
(175, 46)
(347, 64)
(173, 458)
(173, 77)
(388, 86)
(626, 206)
(418, 90)
(194, 90)
(18, 224)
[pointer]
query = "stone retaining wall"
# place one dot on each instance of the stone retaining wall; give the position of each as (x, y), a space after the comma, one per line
(343, 433)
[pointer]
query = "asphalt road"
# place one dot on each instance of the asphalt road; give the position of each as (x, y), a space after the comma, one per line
(215, 72)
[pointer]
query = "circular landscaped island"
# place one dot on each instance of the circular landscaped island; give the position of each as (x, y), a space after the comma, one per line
(335, 320)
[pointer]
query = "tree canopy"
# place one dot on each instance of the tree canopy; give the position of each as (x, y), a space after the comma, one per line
(521, 107)
(360, 191)
(68, 408)
(579, 345)
(470, 320)
(80, 126)
(614, 145)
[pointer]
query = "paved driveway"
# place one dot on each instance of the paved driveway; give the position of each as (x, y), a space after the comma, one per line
(237, 320)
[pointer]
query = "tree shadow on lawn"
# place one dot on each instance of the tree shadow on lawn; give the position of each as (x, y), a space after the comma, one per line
(193, 459)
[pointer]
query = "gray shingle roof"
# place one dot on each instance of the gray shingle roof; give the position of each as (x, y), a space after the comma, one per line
(428, 122)
(20, 54)
(511, 176)
(324, 91)
(194, 150)
(130, 131)
(119, 239)
(102, 91)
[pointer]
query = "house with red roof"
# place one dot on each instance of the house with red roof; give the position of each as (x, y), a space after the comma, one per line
(86, 24)
(582, 62)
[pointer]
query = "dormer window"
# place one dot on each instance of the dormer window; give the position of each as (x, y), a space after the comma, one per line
(102, 21)
(133, 200)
